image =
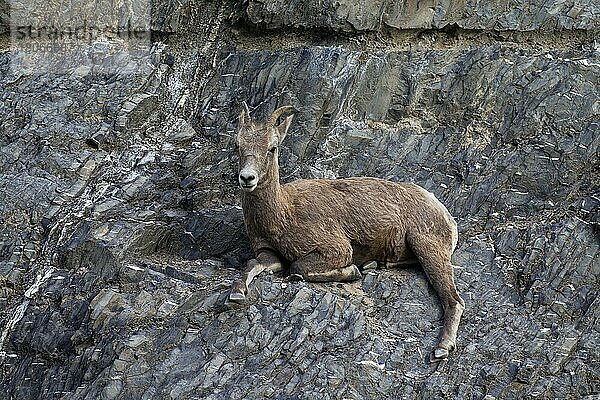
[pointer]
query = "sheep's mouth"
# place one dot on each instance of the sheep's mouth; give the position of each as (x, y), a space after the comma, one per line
(248, 188)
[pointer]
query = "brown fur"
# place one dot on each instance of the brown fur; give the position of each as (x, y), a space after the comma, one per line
(325, 228)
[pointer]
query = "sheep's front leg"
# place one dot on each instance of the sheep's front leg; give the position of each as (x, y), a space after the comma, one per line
(265, 261)
(316, 268)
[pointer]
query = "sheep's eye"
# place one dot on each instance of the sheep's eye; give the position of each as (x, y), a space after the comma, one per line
(272, 150)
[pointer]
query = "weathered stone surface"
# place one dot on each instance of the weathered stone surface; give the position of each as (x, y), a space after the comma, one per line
(349, 15)
(4, 17)
(117, 253)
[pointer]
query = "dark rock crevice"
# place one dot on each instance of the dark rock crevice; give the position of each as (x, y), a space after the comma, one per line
(247, 36)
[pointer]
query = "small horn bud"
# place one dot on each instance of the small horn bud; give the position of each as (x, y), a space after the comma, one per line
(278, 113)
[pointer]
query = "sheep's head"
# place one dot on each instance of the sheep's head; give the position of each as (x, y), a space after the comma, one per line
(258, 144)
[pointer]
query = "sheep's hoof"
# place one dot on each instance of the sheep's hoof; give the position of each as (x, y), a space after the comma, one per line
(354, 273)
(237, 297)
(440, 354)
(295, 278)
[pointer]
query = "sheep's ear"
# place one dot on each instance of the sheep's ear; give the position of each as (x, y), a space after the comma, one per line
(244, 114)
(244, 120)
(283, 127)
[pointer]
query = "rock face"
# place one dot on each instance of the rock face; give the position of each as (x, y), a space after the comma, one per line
(121, 232)
(349, 15)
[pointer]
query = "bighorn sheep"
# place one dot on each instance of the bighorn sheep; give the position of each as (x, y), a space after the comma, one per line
(326, 228)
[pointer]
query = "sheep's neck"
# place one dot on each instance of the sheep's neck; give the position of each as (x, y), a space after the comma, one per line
(266, 207)
(267, 199)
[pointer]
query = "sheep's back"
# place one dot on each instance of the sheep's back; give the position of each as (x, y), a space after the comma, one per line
(364, 206)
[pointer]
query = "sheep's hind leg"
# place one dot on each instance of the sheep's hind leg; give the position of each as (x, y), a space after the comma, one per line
(316, 268)
(434, 257)
(265, 261)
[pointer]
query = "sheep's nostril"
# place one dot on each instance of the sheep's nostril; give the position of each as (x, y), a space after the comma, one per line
(247, 178)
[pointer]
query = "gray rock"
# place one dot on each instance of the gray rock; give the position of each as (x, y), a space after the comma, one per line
(117, 254)
(351, 16)
(4, 17)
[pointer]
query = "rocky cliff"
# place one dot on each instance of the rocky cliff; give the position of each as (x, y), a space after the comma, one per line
(120, 226)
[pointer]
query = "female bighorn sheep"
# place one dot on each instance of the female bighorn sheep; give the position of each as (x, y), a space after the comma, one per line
(326, 228)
